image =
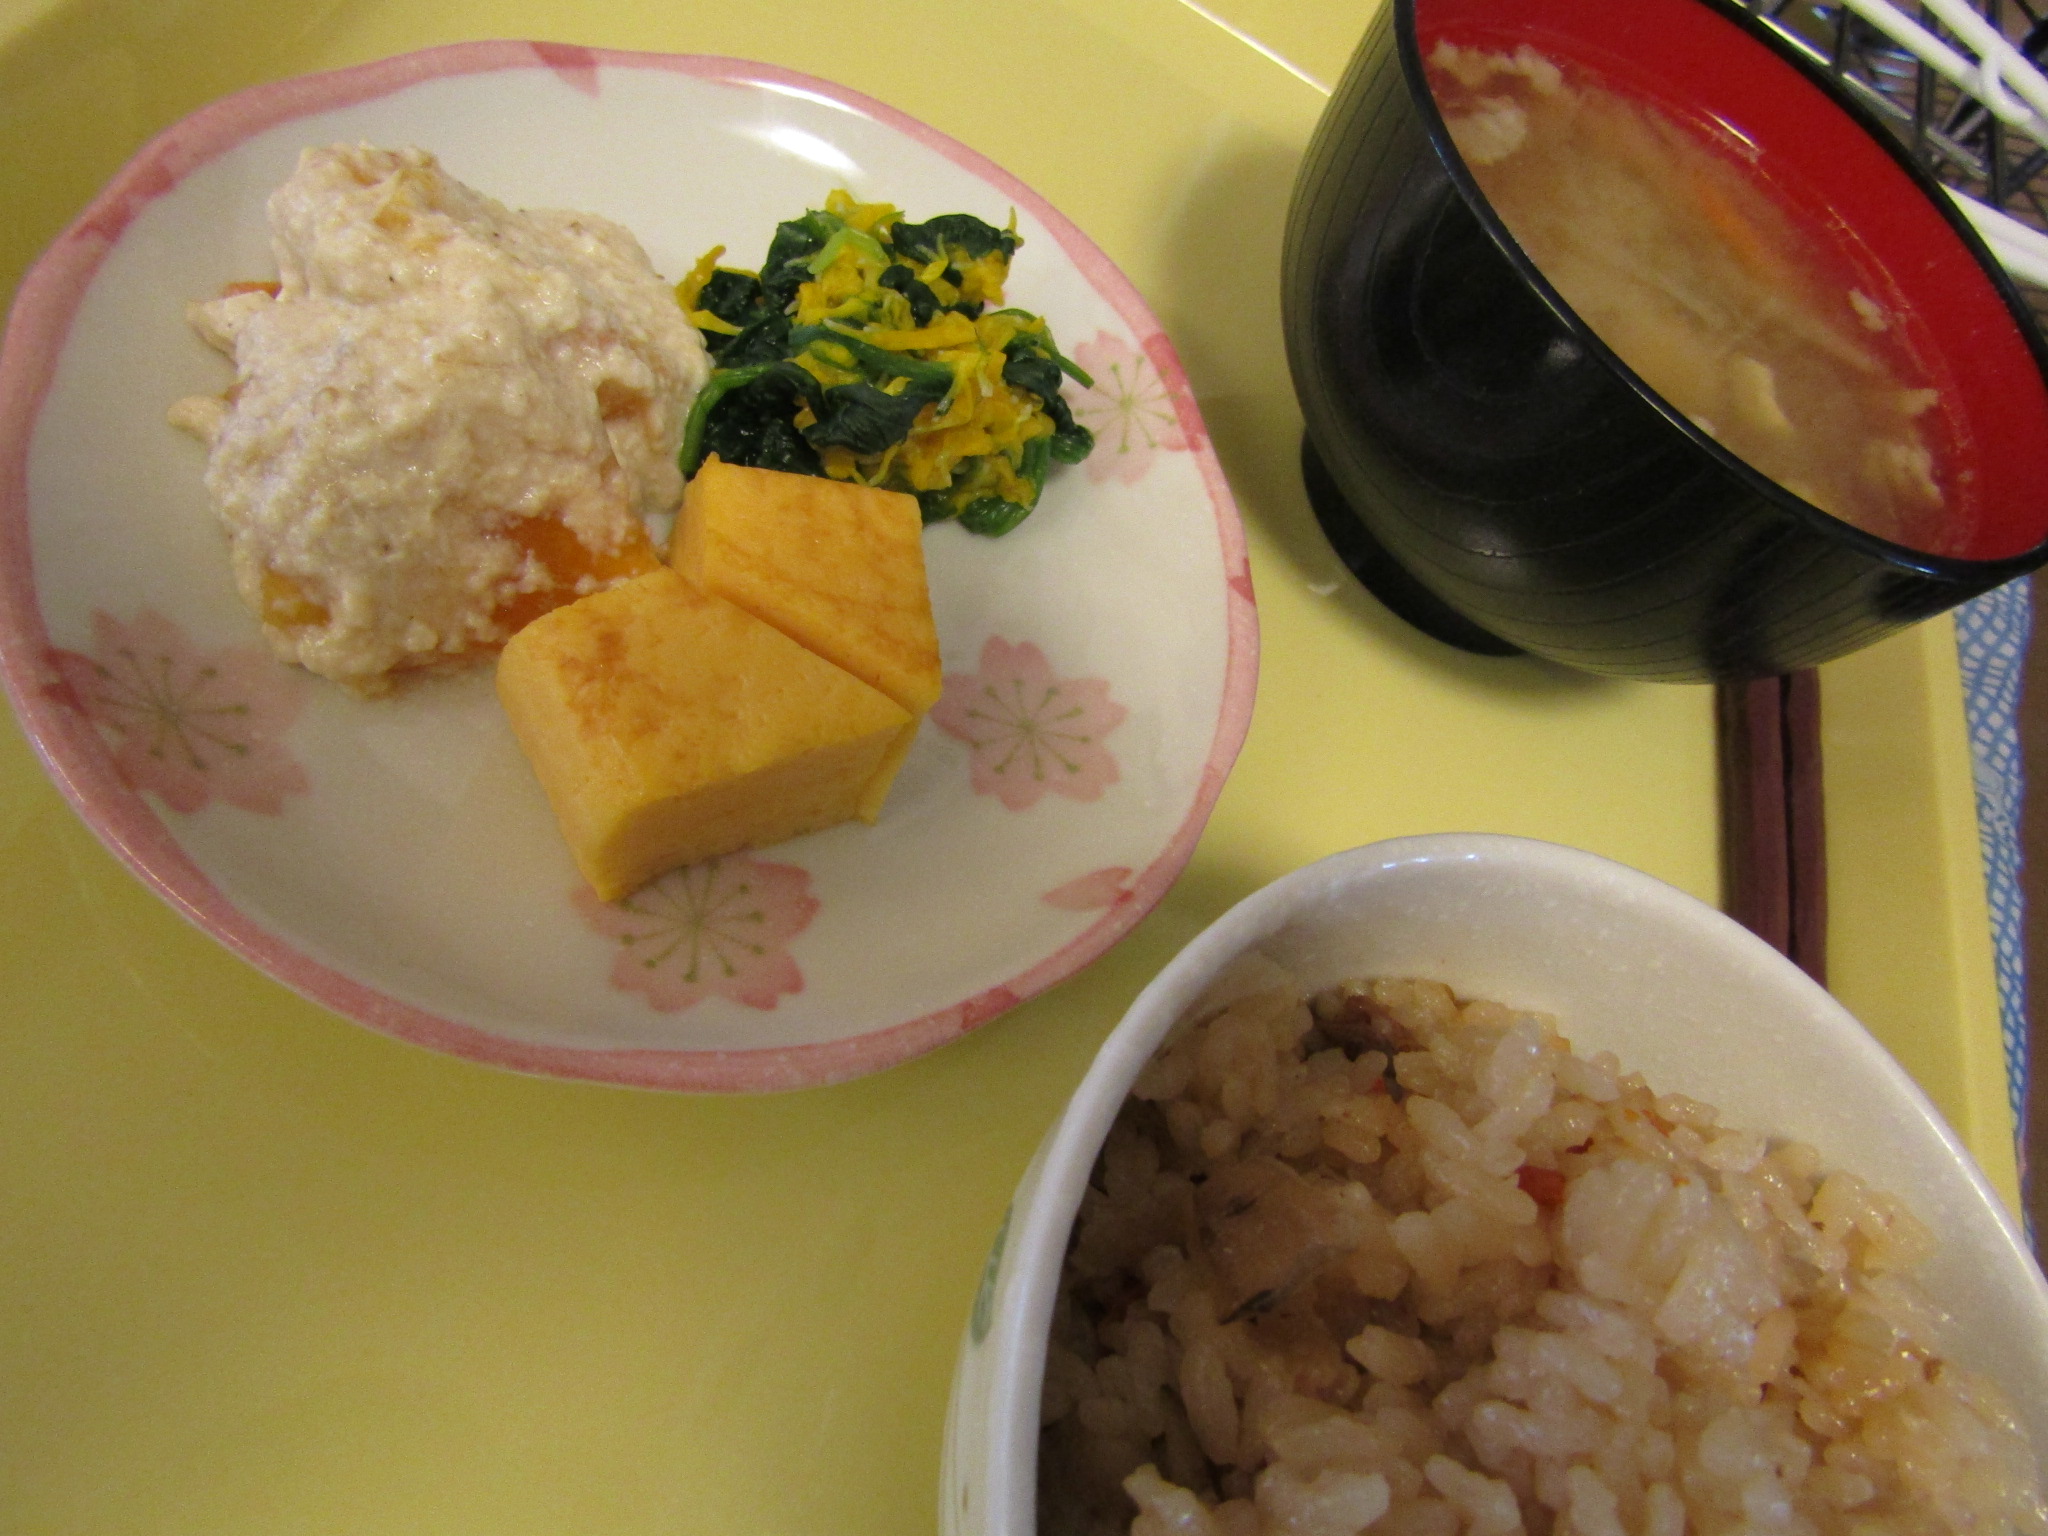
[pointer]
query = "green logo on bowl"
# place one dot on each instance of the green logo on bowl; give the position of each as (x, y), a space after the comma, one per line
(985, 1298)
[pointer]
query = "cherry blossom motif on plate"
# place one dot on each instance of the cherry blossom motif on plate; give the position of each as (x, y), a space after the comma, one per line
(717, 929)
(1030, 732)
(187, 725)
(1129, 409)
(1093, 891)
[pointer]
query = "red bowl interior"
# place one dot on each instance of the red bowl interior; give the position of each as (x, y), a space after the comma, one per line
(1833, 175)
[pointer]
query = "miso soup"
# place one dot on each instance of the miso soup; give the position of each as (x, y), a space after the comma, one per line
(1774, 333)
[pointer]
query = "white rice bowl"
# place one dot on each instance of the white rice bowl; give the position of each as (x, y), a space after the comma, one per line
(1390, 1266)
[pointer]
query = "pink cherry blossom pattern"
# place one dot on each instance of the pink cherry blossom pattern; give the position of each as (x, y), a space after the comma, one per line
(716, 929)
(1129, 409)
(1093, 891)
(1031, 732)
(574, 66)
(186, 724)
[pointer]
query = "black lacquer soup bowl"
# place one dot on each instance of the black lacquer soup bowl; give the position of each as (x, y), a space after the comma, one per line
(1499, 477)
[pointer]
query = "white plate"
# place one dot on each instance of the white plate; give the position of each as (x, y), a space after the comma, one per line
(395, 859)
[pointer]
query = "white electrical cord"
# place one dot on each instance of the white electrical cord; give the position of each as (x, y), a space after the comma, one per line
(2021, 249)
(1998, 64)
(2005, 81)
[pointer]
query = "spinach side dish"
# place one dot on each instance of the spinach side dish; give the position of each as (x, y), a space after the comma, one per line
(873, 349)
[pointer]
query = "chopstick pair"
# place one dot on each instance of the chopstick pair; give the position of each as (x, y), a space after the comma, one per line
(1773, 838)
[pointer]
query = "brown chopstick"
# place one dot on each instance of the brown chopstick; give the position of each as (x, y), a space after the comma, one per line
(1773, 835)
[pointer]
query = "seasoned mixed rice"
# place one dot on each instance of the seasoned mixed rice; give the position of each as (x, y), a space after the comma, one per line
(1384, 1259)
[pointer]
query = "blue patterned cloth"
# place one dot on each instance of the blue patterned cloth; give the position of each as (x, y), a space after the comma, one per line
(1991, 642)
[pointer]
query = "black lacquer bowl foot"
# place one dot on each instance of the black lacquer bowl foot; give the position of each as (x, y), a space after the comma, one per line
(1384, 576)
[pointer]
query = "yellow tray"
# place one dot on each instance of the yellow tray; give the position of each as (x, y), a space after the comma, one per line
(268, 1272)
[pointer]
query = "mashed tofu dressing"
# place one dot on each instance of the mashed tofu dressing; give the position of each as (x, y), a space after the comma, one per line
(432, 369)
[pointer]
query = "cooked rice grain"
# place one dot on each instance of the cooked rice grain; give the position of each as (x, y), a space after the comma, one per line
(1386, 1260)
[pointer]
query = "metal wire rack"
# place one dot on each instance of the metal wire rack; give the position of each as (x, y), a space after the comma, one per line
(1956, 79)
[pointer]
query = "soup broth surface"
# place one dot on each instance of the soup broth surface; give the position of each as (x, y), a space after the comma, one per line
(1774, 332)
